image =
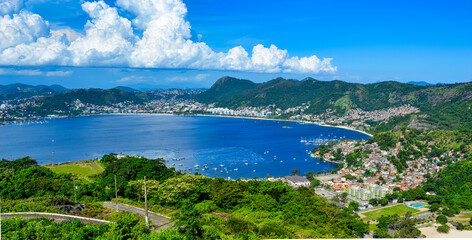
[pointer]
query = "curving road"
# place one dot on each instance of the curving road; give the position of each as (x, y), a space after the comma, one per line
(55, 216)
(157, 220)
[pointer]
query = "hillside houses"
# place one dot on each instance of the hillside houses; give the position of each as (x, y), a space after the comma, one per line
(377, 175)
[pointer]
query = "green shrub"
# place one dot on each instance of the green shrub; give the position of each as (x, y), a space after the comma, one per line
(444, 229)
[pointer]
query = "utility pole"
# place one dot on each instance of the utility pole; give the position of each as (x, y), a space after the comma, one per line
(146, 218)
(75, 191)
(116, 196)
(0, 219)
(53, 158)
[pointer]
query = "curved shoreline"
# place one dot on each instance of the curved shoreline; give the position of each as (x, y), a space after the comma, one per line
(209, 115)
(285, 120)
(242, 117)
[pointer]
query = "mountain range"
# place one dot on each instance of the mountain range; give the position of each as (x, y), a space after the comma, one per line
(445, 106)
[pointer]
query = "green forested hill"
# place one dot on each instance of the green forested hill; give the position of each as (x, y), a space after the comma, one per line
(445, 105)
(18, 90)
(227, 90)
(103, 97)
(286, 93)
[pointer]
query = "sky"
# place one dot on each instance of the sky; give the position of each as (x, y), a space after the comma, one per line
(150, 44)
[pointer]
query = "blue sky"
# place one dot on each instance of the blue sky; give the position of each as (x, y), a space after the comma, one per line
(361, 41)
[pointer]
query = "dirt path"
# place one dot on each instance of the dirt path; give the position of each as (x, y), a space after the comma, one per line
(157, 220)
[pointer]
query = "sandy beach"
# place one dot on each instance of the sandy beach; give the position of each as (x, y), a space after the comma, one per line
(286, 120)
(431, 232)
(227, 116)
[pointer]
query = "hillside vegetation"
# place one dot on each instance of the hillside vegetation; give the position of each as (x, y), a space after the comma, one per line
(18, 90)
(445, 106)
(208, 208)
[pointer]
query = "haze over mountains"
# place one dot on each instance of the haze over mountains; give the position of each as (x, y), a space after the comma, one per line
(19, 90)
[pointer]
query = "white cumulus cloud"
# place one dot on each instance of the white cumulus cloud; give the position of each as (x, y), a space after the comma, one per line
(156, 36)
(21, 28)
(107, 40)
(10, 6)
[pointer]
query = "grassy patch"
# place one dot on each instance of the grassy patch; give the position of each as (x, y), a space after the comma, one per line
(37, 204)
(82, 169)
(373, 227)
(399, 209)
(465, 215)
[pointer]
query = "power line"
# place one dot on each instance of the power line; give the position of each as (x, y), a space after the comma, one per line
(75, 190)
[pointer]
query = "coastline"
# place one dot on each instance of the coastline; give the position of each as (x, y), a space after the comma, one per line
(282, 122)
(285, 120)
(209, 115)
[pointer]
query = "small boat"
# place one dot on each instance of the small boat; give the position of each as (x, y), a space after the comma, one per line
(221, 165)
(246, 164)
(281, 161)
(214, 169)
(235, 169)
(221, 171)
(253, 170)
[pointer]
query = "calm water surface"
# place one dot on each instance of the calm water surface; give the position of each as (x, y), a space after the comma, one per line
(229, 147)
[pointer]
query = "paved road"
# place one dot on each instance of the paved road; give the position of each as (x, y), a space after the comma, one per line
(55, 216)
(157, 220)
(324, 193)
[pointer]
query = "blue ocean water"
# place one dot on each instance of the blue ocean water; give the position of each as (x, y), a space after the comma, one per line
(228, 147)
